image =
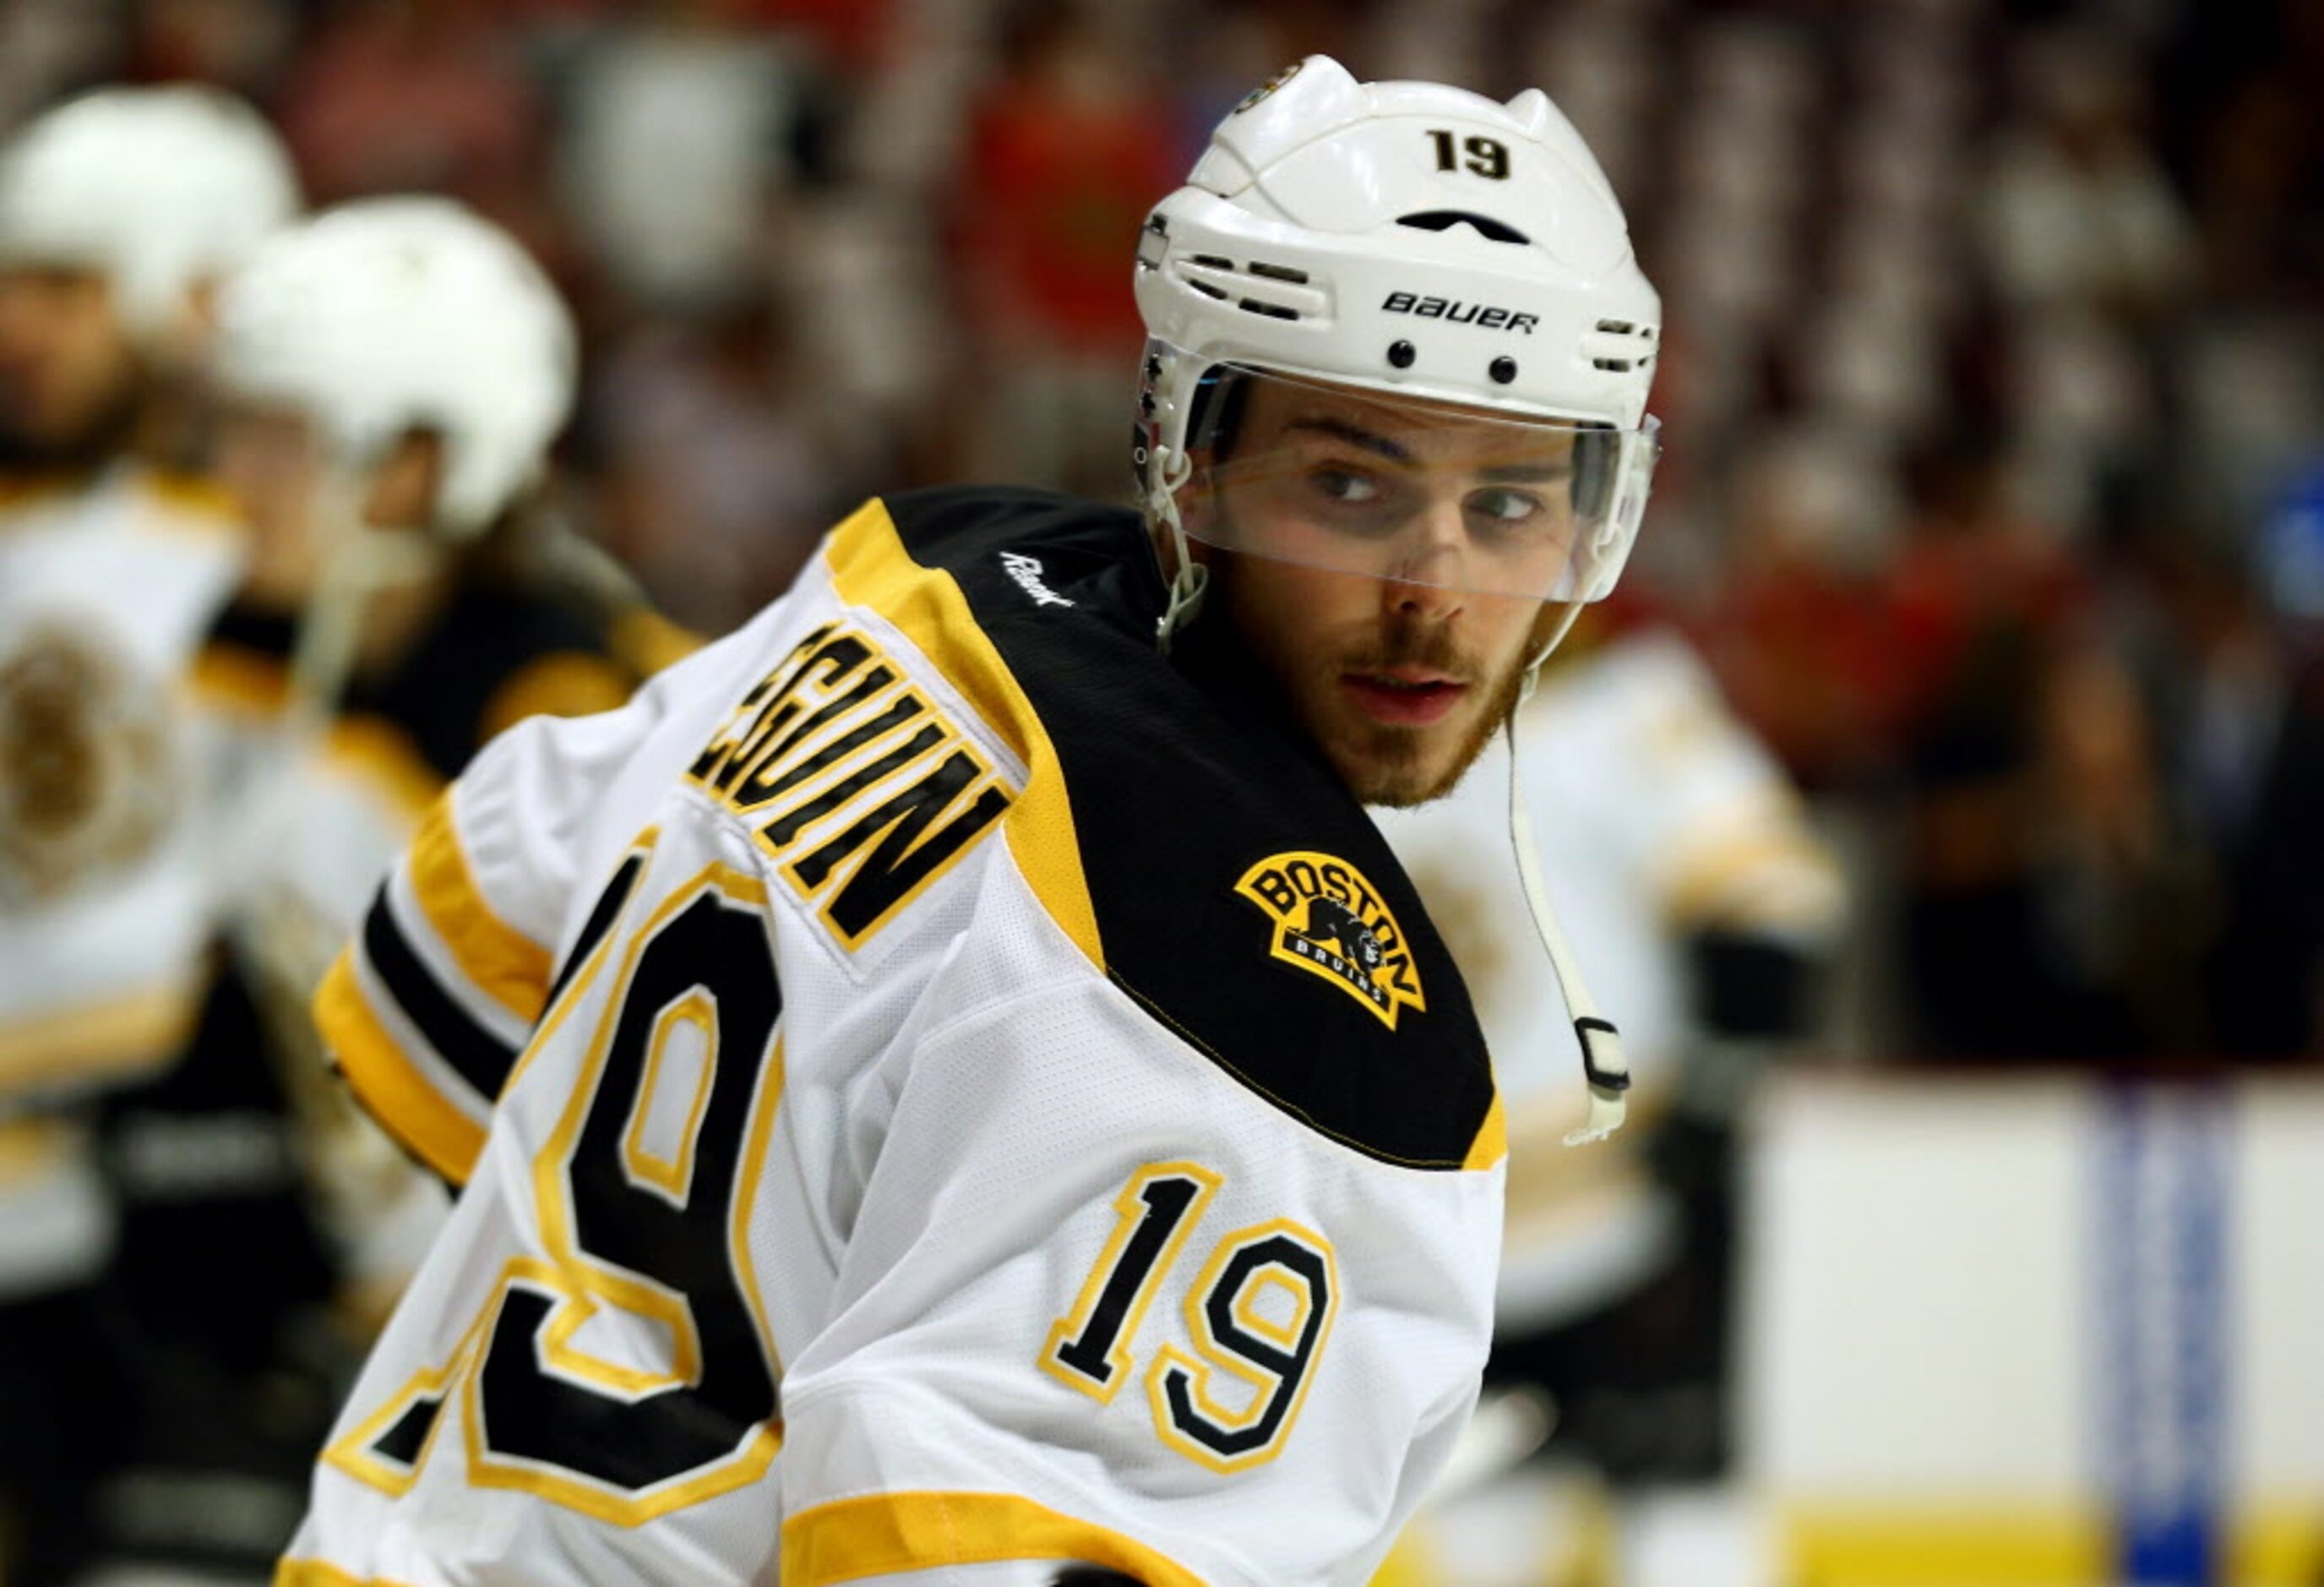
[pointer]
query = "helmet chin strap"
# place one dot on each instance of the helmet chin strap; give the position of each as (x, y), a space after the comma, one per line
(1602, 1061)
(1189, 578)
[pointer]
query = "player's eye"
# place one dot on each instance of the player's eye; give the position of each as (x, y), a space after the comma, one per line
(1505, 508)
(1346, 486)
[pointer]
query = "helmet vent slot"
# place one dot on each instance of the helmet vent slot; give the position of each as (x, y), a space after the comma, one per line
(1485, 225)
(1619, 327)
(1614, 365)
(1287, 292)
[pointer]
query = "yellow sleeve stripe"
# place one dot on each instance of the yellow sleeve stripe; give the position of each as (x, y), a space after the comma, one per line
(314, 1573)
(385, 1081)
(883, 1534)
(208, 504)
(230, 678)
(501, 962)
(30, 1148)
(123, 1035)
(1493, 1143)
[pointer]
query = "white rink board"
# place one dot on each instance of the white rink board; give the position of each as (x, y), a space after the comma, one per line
(1914, 1277)
(1924, 1301)
(2277, 1257)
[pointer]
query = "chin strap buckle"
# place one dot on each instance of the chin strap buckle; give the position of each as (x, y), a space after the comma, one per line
(1188, 581)
(1602, 1062)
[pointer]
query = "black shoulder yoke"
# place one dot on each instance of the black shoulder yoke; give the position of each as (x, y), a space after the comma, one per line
(1242, 897)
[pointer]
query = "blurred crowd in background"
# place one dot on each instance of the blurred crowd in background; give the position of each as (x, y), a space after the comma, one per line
(1994, 388)
(1993, 393)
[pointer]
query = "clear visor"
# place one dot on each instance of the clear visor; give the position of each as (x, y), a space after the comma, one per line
(1358, 481)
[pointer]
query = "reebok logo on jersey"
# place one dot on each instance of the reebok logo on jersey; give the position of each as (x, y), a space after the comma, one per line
(1331, 922)
(1027, 571)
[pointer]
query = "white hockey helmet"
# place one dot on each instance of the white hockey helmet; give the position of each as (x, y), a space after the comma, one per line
(385, 315)
(1419, 242)
(158, 189)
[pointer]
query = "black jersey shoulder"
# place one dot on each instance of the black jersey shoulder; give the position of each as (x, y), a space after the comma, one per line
(1242, 896)
(453, 688)
(493, 652)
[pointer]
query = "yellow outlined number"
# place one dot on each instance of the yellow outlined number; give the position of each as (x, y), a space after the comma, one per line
(546, 1416)
(1272, 1359)
(1236, 1332)
(1089, 1347)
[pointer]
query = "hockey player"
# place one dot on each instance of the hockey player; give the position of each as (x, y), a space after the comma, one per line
(391, 375)
(976, 1098)
(118, 211)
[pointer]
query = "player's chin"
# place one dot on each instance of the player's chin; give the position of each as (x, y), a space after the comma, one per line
(1398, 768)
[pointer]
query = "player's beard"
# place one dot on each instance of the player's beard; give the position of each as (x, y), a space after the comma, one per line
(1401, 767)
(1382, 763)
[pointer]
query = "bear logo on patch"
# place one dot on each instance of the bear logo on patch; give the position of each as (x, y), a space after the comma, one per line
(1329, 921)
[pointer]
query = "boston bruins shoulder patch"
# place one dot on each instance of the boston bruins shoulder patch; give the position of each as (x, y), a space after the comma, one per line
(1332, 922)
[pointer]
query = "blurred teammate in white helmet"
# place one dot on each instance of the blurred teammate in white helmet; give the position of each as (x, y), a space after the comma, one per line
(390, 378)
(950, 1082)
(118, 211)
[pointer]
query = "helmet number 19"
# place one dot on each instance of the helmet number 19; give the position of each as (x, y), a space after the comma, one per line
(1485, 157)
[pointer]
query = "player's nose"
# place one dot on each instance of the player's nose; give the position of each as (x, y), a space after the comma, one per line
(1427, 581)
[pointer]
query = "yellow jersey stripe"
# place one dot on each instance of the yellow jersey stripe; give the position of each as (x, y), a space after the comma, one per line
(383, 1080)
(881, 1533)
(30, 1148)
(108, 1040)
(501, 962)
(231, 678)
(870, 569)
(1493, 1143)
(314, 1573)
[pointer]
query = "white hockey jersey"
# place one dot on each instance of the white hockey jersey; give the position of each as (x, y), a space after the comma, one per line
(106, 585)
(942, 1088)
(106, 589)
